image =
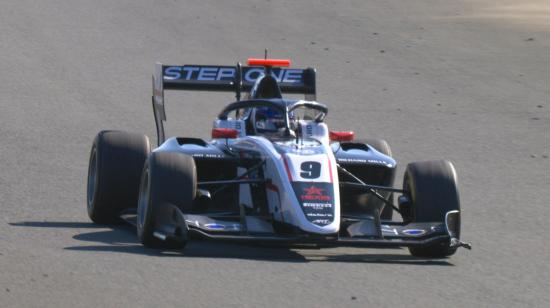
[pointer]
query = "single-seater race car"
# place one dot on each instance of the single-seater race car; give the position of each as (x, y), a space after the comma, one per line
(272, 173)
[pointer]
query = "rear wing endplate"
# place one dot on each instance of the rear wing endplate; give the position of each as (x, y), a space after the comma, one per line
(223, 78)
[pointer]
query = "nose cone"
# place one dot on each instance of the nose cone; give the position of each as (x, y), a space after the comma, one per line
(317, 201)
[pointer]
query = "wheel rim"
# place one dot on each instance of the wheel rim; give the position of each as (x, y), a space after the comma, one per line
(92, 178)
(143, 200)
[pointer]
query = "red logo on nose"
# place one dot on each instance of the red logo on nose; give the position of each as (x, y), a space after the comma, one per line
(314, 191)
(314, 194)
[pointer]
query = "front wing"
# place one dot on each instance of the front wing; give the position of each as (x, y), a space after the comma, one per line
(232, 227)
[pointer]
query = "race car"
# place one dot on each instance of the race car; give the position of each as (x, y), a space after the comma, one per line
(272, 173)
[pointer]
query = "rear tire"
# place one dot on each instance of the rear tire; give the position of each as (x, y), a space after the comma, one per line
(167, 178)
(380, 145)
(383, 147)
(432, 189)
(114, 171)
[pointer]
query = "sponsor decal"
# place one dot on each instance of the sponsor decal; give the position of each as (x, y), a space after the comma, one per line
(309, 130)
(313, 193)
(414, 232)
(225, 73)
(203, 155)
(363, 161)
(351, 160)
(215, 226)
(316, 200)
(316, 206)
(318, 215)
(376, 161)
(389, 230)
(221, 227)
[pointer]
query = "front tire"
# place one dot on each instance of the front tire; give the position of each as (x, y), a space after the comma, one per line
(167, 178)
(114, 171)
(431, 187)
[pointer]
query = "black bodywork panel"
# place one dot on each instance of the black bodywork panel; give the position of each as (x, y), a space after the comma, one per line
(369, 166)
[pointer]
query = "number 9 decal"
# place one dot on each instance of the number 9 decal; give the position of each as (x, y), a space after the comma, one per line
(310, 170)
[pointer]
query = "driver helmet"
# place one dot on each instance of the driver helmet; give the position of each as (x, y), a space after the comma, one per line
(268, 120)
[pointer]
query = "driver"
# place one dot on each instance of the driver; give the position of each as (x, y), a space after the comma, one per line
(269, 121)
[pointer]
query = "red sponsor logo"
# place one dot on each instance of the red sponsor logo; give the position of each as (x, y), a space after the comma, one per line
(314, 194)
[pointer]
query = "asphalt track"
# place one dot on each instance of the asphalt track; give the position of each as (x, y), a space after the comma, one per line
(462, 80)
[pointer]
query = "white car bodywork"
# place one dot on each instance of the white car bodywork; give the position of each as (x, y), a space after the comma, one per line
(282, 170)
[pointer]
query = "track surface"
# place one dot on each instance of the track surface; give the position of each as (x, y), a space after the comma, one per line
(462, 80)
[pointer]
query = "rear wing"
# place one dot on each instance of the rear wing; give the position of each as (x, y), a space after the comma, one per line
(223, 78)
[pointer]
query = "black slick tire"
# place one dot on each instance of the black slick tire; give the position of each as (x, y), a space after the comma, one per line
(114, 171)
(167, 178)
(432, 189)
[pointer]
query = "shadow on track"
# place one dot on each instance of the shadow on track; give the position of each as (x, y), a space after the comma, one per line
(122, 239)
(55, 224)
